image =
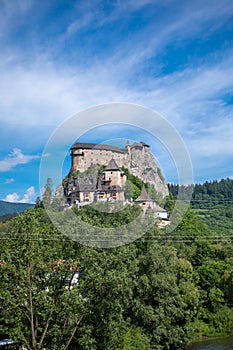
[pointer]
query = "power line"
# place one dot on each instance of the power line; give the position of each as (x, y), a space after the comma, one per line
(112, 237)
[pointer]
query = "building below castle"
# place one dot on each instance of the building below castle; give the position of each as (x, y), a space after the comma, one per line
(109, 186)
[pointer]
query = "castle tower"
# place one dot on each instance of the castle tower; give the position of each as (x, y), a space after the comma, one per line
(113, 175)
(144, 200)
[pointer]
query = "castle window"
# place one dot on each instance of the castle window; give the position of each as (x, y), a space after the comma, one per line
(86, 197)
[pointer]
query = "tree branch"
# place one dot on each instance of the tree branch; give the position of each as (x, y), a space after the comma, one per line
(74, 331)
(31, 304)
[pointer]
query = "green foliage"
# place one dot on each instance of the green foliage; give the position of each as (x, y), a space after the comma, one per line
(129, 190)
(38, 203)
(117, 215)
(134, 186)
(160, 174)
(131, 338)
(213, 202)
(47, 195)
(145, 295)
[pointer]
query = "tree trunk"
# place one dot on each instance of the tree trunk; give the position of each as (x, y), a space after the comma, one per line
(33, 334)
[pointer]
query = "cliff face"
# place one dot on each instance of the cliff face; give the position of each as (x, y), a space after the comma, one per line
(136, 157)
(144, 166)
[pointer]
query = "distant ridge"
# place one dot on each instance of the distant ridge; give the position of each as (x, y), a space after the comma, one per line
(12, 208)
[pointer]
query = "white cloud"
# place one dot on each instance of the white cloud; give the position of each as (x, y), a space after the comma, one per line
(28, 197)
(12, 197)
(9, 181)
(44, 93)
(14, 158)
(40, 91)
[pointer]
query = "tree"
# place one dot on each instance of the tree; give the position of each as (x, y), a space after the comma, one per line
(39, 304)
(47, 195)
(38, 203)
(129, 192)
(159, 306)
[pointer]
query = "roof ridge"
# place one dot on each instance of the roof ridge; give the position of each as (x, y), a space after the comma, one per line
(112, 165)
(144, 196)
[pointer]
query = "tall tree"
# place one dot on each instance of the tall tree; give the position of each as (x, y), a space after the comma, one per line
(48, 190)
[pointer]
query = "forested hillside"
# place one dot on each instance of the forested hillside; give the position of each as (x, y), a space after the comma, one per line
(207, 193)
(213, 203)
(11, 208)
(158, 293)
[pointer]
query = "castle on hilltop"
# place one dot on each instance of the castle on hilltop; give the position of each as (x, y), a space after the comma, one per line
(137, 158)
(97, 174)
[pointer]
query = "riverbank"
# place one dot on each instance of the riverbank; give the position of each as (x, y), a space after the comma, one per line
(206, 338)
(218, 343)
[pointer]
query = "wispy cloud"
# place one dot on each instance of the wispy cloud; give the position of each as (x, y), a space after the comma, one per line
(46, 154)
(15, 158)
(28, 197)
(9, 181)
(120, 51)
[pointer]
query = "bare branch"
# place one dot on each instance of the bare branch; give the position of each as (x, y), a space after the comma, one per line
(46, 327)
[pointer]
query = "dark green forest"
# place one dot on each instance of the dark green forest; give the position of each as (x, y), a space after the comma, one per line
(12, 208)
(160, 292)
(212, 202)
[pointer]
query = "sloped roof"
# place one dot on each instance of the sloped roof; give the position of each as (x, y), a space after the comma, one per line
(160, 209)
(101, 146)
(86, 188)
(111, 188)
(112, 165)
(144, 196)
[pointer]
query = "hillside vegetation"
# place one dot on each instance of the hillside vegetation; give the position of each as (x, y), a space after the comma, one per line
(12, 208)
(213, 203)
(159, 292)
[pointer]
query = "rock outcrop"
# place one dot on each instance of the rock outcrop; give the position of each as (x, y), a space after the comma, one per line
(144, 166)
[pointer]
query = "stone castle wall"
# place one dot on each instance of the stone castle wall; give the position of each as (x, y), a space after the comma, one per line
(84, 158)
(137, 158)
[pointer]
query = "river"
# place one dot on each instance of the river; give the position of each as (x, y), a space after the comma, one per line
(214, 344)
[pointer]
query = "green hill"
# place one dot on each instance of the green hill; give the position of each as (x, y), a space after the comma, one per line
(11, 208)
(212, 202)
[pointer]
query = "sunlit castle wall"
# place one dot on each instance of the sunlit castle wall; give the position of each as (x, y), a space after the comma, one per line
(84, 155)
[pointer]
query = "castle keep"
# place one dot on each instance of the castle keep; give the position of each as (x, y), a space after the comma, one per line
(137, 158)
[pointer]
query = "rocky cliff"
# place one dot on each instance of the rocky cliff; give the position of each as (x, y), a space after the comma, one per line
(144, 166)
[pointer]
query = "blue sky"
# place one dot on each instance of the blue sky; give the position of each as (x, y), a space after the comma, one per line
(58, 58)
